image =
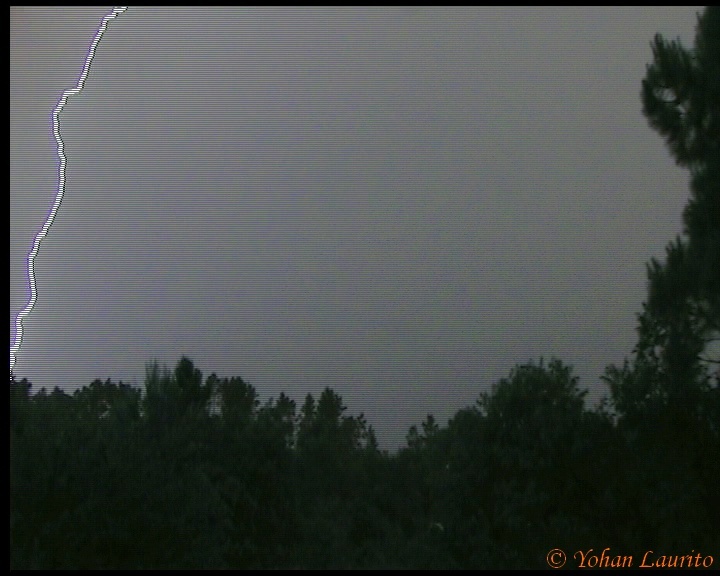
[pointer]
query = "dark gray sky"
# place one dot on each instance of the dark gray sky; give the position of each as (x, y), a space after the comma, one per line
(401, 204)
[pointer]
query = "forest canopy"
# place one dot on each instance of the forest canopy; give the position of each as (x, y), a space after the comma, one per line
(194, 471)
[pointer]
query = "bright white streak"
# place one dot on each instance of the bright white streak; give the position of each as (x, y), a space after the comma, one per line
(15, 348)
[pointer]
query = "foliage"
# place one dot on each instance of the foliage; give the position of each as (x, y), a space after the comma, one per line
(199, 474)
(681, 101)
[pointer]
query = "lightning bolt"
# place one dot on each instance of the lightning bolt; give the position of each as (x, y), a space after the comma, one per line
(25, 312)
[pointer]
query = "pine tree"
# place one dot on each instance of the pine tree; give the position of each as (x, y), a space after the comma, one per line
(681, 100)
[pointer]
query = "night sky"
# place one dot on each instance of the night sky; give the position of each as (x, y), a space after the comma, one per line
(401, 204)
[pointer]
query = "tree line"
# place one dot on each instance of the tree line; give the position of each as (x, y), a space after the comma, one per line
(195, 472)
